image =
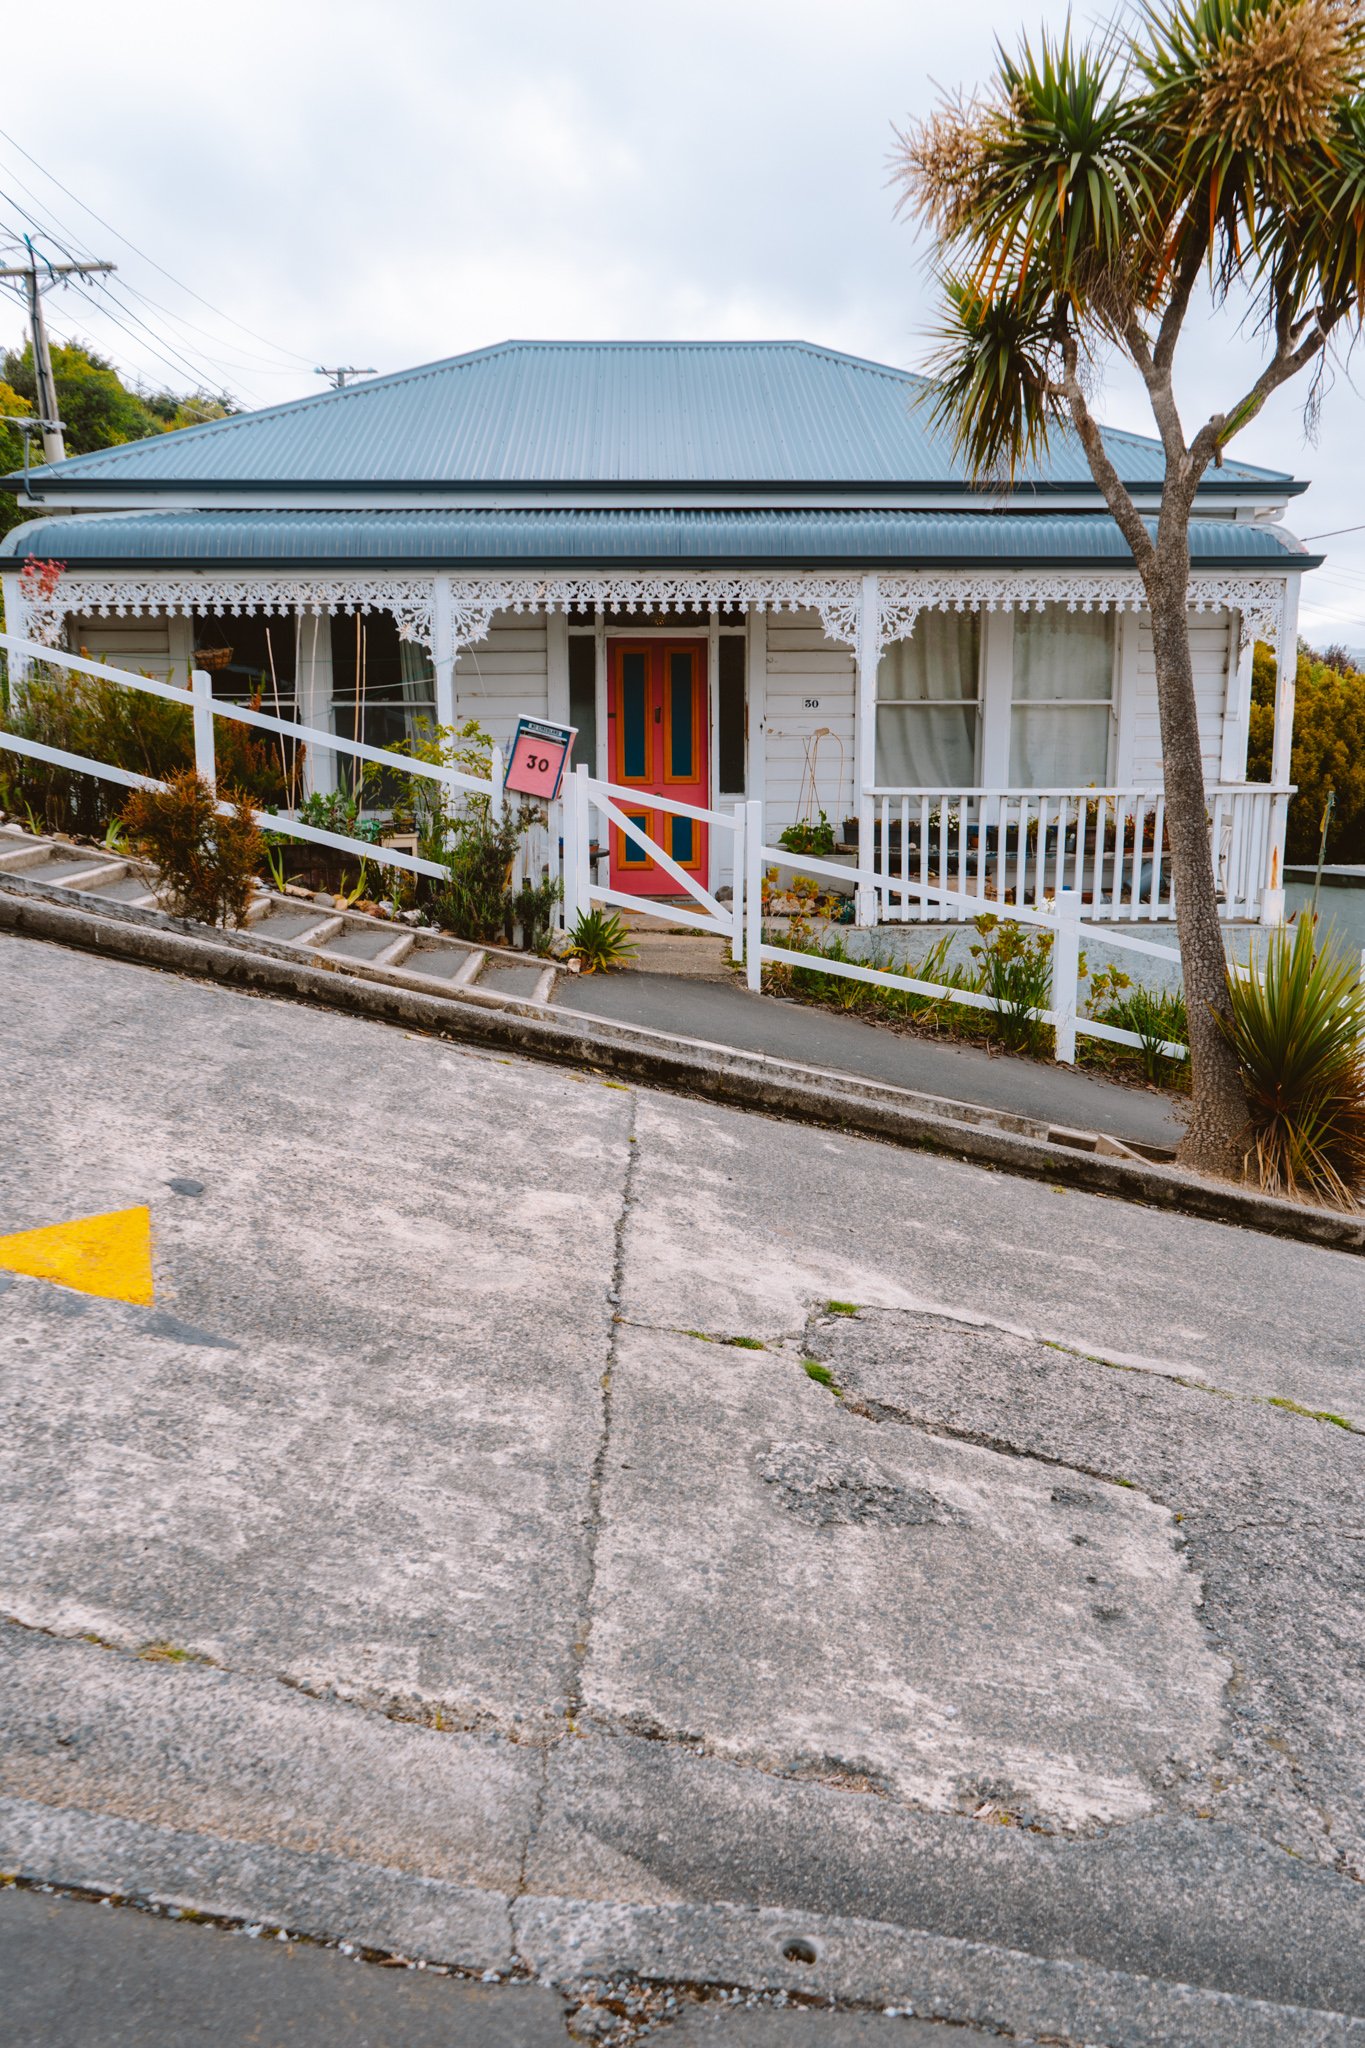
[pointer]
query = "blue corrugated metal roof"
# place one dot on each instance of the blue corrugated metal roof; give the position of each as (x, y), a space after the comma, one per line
(544, 413)
(493, 539)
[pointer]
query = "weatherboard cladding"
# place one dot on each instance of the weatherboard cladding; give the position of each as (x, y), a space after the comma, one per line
(493, 539)
(537, 414)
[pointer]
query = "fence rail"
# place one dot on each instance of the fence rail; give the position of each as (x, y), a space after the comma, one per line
(1063, 919)
(205, 709)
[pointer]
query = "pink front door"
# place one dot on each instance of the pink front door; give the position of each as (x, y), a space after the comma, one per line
(658, 730)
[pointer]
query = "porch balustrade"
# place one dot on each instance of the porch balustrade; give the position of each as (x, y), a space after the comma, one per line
(1023, 847)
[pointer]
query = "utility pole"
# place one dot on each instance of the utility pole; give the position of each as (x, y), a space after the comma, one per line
(49, 417)
(339, 375)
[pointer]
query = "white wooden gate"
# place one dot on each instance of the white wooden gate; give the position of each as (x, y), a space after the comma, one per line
(587, 799)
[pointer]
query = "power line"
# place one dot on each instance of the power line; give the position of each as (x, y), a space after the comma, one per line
(273, 363)
(201, 373)
(177, 282)
(1335, 534)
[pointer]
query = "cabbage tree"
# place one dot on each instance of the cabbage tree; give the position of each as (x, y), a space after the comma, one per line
(1092, 200)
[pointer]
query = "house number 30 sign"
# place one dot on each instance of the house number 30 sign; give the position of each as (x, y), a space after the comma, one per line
(538, 758)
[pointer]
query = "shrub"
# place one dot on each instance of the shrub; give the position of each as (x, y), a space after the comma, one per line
(126, 728)
(533, 908)
(1158, 1017)
(207, 860)
(1016, 969)
(102, 721)
(476, 901)
(1295, 1022)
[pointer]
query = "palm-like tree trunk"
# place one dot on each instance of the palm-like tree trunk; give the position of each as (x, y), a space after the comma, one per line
(1214, 1138)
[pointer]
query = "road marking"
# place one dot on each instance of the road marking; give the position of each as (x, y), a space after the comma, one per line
(108, 1255)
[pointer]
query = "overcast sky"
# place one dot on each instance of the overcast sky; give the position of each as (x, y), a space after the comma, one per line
(385, 185)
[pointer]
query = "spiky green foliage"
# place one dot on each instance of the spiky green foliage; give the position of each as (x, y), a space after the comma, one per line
(1077, 200)
(1296, 1023)
(600, 941)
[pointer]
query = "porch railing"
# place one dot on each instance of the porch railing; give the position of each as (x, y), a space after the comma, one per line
(1023, 847)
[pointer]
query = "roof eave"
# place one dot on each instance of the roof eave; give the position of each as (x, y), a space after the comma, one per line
(619, 564)
(56, 484)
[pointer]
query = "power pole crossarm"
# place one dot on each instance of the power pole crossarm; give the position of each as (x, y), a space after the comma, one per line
(49, 417)
(340, 373)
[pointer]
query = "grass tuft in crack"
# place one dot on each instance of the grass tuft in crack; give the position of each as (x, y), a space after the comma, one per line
(1312, 1414)
(841, 1308)
(822, 1376)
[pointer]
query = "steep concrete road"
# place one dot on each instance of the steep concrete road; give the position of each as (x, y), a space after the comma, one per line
(561, 1531)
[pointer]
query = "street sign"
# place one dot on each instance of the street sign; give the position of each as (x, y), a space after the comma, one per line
(539, 755)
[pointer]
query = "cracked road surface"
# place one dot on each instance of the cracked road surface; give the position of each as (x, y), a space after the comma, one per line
(500, 1545)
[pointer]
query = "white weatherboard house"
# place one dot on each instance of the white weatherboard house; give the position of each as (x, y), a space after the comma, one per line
(740, 569)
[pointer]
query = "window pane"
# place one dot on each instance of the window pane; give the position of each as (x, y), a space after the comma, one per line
(583, 698)
(633, 854)
(260, 659)
(681, 746)
(1060, 654)
(1059, 746)
(634, 714)
(926, 745)
(681, 843)
(942, 658)
(730, 715)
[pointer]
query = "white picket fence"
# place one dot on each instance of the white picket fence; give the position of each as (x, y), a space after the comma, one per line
(1063, 920)
(588, 802)
(205, 709)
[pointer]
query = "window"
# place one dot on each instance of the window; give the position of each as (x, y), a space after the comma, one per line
(730, 715)
(383, 689)
(927, 697)
(249, 656)
(583, 698)
(1063, 698)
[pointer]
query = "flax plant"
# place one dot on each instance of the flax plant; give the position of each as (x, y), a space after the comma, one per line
(1086, 203)
(1297, 1025)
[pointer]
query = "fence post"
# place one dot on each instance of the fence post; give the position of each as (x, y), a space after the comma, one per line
(737, 887)
(1066, 967)
(568, 848)
(753, 894)
(582, 853)
(201, 688)
(495, 772)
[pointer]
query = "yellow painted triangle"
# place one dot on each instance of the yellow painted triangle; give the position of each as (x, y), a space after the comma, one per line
(109, 1255)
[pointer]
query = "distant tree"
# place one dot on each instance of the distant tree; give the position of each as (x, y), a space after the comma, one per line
(1328, 750)
(98, 409)
(12, 407)
(1080, 205)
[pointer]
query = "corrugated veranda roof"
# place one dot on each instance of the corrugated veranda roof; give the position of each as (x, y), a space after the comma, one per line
(555, 536)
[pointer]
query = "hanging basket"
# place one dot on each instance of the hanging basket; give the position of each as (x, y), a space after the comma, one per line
(212, 658)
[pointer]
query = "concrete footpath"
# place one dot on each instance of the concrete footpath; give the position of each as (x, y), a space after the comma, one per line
(621, 1550)
(720, 1010)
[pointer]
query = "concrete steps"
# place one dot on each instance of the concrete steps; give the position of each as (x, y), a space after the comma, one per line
(349, 941)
